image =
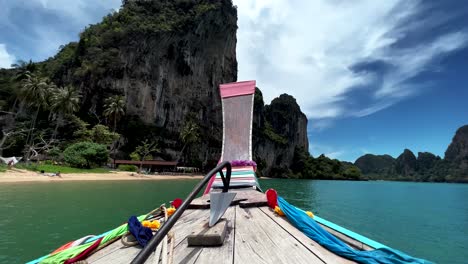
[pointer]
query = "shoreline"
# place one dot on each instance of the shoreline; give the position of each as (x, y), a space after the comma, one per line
(19, 176)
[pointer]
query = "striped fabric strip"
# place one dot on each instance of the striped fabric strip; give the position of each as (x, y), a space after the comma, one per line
(240, 177)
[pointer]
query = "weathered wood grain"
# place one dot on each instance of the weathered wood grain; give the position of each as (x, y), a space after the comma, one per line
(254, 235)
(106, 251)
(185, 254)
(185, 224)
(122, 255)
(258, 239)
(245, 197)
(203, 235)
(313, 246)
(225, 253)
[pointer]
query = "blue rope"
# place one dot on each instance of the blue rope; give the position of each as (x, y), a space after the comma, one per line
(310, 228)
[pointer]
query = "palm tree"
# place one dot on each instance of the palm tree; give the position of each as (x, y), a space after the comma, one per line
(189, 135)
(114, 108)
(35, 92)
(24, 69)
(64, 101)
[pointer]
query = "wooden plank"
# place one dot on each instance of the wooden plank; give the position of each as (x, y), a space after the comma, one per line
(185, 254)
(313, 246)
(102, 253)
(225, 253)
(200, 202)
(348, 240)
(183, 227)
(245, 197)
(258, 239)
(203, 235)
(185, 224)
(154, 258)
(122, 255)
(252, 198)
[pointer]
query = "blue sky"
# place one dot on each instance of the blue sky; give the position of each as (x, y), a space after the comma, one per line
(372, 76)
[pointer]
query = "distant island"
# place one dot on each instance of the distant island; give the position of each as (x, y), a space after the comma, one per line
(425, 167)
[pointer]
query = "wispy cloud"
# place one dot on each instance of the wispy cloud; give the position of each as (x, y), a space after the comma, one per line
(319, 149)
(6, 59)
(335, 154)
(310, 49)
(321, 124)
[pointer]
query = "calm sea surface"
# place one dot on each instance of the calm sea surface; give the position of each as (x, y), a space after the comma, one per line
(428, 220)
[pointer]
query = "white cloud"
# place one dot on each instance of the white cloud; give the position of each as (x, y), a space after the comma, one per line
(51, 23)
(321, 124)
(335, 154)
(318, 149)
(308, 48)
(78, 10)
(6, 59)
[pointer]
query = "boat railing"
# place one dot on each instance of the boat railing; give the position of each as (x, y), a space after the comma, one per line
(156, 239)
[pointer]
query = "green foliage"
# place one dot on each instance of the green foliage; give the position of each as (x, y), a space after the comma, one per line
(190, 133)
(352, 172)
(24, 69)
(144, 150)
(54, 153)
(49, 168)
(86, 154)
(99, 134)
(124, 167)
(35, 91)
(57, 66)
(305, 166)
(65, 100)
(136, 156)
(3, 167)
(114, 108)
(270, 133)
(97, 54)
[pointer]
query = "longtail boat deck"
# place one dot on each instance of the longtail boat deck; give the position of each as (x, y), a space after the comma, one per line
(255, 234)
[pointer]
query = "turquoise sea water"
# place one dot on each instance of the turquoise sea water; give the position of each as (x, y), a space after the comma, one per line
(428, 220)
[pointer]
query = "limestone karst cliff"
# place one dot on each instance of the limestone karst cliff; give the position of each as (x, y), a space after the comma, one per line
(167, 58)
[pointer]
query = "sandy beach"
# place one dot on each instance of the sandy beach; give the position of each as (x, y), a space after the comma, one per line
(17, 175)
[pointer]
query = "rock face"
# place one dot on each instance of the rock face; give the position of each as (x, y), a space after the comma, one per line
(457, 152)
(426, 161)
(406, 164)
(168, 58)
(279, 128)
